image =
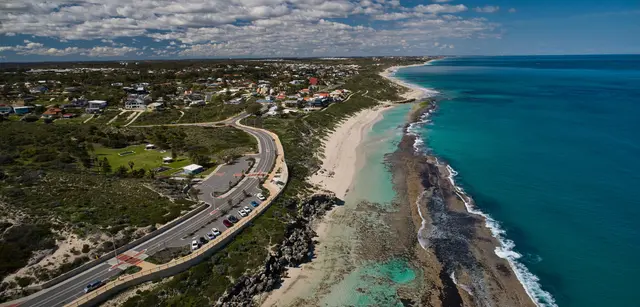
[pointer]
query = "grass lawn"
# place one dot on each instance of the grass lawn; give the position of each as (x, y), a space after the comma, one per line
(147, 159)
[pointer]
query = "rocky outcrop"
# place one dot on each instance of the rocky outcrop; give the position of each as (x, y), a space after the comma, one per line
(296, 248)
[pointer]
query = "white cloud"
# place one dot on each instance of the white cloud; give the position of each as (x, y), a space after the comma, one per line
(512, 10)
(31, 48)
(487, 9)
(236, 27)
(441, 1)
(440, 8)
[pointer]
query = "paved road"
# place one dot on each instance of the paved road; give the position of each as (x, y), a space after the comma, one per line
(182, 233)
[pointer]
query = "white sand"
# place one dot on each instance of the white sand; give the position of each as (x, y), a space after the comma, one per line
(413, 91)
(339, 165)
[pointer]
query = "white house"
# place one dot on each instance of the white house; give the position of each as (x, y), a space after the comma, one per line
(193, 169)
(135, 104)
(96, 106)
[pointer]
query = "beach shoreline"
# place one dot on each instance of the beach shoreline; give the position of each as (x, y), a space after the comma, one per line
(343, 157)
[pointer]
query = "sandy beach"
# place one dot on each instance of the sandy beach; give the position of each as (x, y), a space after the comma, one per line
(411, 91)
(339, 167)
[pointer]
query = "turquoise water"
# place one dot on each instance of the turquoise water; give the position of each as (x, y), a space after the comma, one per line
(381, 140)
(375, 284)
(549, 147)
(372, 285)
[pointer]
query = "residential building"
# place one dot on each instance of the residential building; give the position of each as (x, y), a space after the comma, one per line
(52, 113)
(23, 110)
(313, 81)
(135, 104)
(95, 106)
(5, 109)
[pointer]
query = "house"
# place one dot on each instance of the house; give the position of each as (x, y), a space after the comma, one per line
(135, 104)
(95, 106)
(5, 109)
(23, 110)
(167, 160)
(76, 103)
(313, 81)
(305, 91)
(52, 113)
(156, 106)
(290, 103)
(38, 89)
(68, 115)
(281, 97)
(150, 146)
(321, 94)
(193, 169)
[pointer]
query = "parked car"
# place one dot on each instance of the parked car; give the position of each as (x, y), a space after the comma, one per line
(260, 196)
(232, 219)
(247, 209)
(254, 203)
(215, 231)
(227, 223)
(92, 286)
(194, 245)
(210, 236)
(242, 213)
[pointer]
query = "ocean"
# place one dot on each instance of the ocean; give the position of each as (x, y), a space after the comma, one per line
(548, 147)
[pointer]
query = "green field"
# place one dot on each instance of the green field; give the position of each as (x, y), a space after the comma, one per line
(141, 158)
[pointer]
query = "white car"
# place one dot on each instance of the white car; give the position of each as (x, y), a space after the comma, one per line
(260, 196)
(195, 245)
(215, 231)
(242, 213)
(247, 209)
(210, 236)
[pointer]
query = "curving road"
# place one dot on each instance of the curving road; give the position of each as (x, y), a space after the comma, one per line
(183, 233)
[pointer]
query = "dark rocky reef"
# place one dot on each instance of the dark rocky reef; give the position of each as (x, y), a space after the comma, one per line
(295, 249)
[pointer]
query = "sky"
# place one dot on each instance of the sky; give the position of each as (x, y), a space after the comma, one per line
(73, 30)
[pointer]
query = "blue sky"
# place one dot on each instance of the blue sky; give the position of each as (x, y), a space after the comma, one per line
(35, 30)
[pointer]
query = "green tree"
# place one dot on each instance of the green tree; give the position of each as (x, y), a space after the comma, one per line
(254, 108)
(121, 171)
(106, 167)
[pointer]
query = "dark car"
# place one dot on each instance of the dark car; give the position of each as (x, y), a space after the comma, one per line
(227, 223)
(92, 286)
(232, 219)
(254, 203)
(202, 241)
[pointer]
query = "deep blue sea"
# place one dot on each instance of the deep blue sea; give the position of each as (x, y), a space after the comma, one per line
(549, 146)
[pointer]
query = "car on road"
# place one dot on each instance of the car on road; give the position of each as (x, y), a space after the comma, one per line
(247, 209)
(93, 285)
(202, 240)
(215, 232)
(232, 219)
(227, 223)
(194, 245)
(254, 203)
(210, 236)
(260, 196)
(242, 213)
